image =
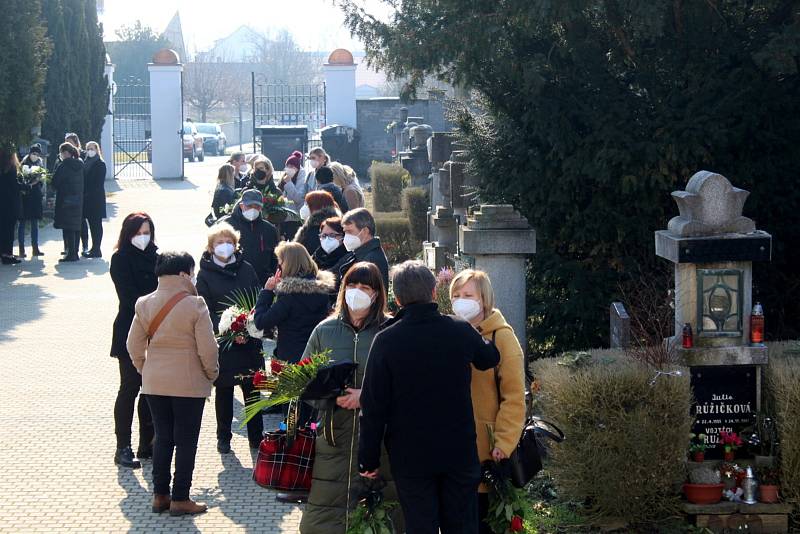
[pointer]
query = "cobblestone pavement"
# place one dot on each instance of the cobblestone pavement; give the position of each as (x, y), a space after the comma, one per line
(58, 385)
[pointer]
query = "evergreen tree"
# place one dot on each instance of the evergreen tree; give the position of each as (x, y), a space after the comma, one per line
(595, 110)
(57, 89)
(98, 81)
(22, 69)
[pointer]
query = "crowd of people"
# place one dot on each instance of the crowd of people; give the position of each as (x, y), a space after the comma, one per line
(78, 178)
(427, 386)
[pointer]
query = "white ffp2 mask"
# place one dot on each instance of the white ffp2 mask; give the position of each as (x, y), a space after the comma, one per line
(251, 214)
(140, 241)
(351, 242)
(224, 250)
(467, 309)
(357, 299)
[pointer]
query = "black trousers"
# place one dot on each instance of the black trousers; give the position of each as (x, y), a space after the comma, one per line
(71, 242)
(96, 227)
(130, 382)
(177, 423)
(7, 236)
(223, 404)
(446, 502)
(483, 511)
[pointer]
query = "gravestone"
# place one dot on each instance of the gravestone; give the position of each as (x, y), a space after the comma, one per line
(619, 327)
(416, 160)
(713, 247)
(496, 239)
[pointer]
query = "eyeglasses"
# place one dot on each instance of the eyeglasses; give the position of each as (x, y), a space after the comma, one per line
(323, 235)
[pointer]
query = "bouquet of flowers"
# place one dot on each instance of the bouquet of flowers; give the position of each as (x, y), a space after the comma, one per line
(507, 504)
(373, 515)
(283, 382)
(277, 206)
(32, 175)
(236, 323)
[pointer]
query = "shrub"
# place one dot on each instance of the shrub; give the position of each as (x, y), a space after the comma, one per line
(626, 434)
(388, 181)
(395, 235)
(415, 205)
(783, 386)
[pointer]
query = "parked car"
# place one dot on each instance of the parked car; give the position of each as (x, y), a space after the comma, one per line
(192, 143)
(214, 140)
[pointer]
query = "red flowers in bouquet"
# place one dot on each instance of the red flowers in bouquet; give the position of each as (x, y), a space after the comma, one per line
(516, 524)
(259, 378)
(304, 362)
(730, 440)
(240, 323)
(275, 366)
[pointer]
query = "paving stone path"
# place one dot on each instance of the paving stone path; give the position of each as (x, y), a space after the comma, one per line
(58, 385)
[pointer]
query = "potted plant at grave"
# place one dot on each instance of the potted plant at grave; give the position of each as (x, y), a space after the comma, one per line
(697, 447)
(704, 486)
(769, 480)
(730, 441)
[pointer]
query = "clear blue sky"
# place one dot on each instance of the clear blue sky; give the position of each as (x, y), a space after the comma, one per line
(315, 24)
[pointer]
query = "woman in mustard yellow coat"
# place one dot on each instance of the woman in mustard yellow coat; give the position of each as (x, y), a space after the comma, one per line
(472, 298)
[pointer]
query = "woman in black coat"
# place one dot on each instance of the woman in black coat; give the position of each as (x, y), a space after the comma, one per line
(308, 234)
(32, 196)
(331, 249)
(9, 203)
(133, 270)
(68, 183)
(223, 272)
(94, 200)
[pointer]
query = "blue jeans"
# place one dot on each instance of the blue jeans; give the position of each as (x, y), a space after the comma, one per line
(34, 223)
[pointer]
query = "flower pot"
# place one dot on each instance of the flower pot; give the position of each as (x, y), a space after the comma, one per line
(729, 456)
(699, 457)
(768, 494)
(703, 493)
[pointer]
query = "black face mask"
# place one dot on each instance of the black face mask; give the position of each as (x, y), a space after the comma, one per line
(260, 175)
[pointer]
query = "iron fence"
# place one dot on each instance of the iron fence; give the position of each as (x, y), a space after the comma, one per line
(287, 105)
(132, 143)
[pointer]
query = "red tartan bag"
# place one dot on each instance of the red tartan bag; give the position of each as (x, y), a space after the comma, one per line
(285, 464)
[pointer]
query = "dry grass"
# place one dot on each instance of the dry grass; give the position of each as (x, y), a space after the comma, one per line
(626, 435)
(783, 387)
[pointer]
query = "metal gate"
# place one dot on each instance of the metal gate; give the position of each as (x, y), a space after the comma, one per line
(132, 142)
(287, 105)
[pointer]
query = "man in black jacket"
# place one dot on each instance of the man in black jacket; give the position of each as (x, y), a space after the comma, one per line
(362, 245)
(416, 397)
(258, 237)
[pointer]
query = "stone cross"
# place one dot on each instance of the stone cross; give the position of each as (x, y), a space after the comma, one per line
(499, 238)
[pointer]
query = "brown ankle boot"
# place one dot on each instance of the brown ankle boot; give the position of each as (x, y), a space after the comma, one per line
(187, 507)
(161, 503)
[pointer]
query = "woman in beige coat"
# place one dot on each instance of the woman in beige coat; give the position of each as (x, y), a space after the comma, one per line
(171, 343)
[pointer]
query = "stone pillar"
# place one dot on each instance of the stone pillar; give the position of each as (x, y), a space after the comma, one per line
(166, 112)
(107, 134)
(340, 89)
(497, 239)
(713, 248)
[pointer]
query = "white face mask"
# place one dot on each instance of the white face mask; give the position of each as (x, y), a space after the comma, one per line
(351, 242)
(224, 250)
(314, 164)
(140, 241)
(305, 212)
(251, 214)
(467, 309)
(329, 244)
(357, 299)
(243, 168)
(290, 171)
(91, 153)
(34, 158)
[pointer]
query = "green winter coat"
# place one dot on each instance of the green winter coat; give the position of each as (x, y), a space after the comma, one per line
(331, 487)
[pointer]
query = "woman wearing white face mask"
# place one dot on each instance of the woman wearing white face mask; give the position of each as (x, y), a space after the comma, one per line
(223, 272)
(348, 334)
(498, 395)
(330, 249)
(319, 206)
(317, 157)
(133, 271)
(94, 200)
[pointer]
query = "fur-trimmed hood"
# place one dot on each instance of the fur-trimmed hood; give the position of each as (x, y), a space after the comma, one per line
(323, 284)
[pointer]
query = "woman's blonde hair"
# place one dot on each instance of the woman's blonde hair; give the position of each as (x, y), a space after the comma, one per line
(261, 158)
(319, 151)
(342, 174)
(96, 146)
(295, 260)
(482, 284)
(226, 175)
(221, 230)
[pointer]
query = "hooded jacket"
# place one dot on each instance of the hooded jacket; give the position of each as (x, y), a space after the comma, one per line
(297, 305)
(257, 241)
(181, 359)
(217, 285)
(506, 416)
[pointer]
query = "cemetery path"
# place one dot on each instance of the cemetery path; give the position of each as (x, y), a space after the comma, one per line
(58, 385)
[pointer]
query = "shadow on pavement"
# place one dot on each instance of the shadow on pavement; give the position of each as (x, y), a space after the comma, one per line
(21, 303)
(79, 269)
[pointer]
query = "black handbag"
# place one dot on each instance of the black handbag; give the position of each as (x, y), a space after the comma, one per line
(331, 381)
(526, 459)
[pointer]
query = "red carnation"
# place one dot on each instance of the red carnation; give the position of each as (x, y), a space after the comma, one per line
(276, 367)
(259, 378)
(237, 326)
(516, 524)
